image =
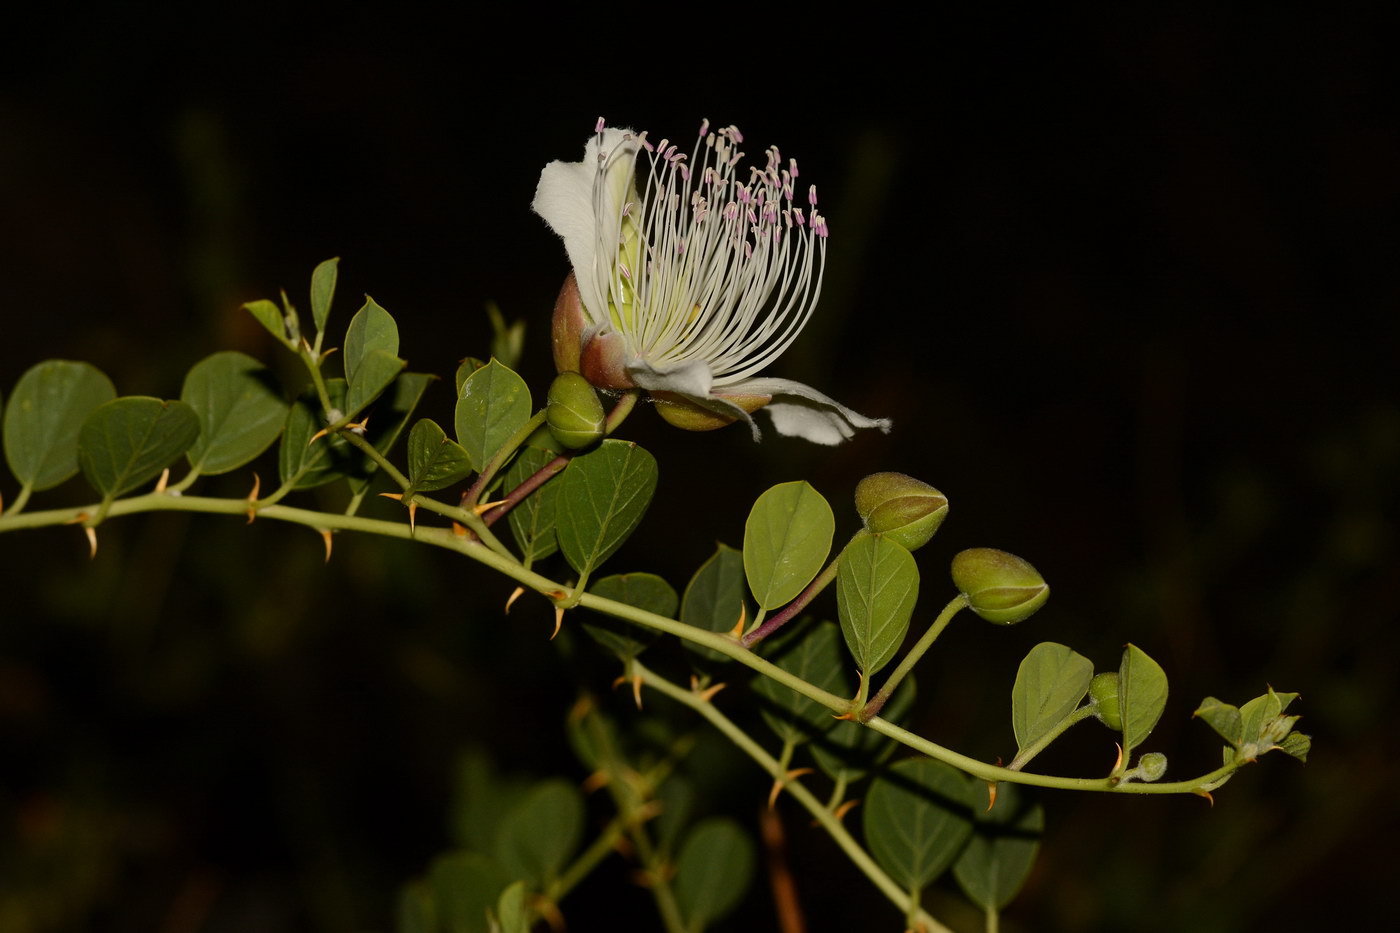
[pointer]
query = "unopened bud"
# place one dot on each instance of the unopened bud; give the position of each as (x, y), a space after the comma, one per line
(575, 415)
(1103, 693)
(1152, 766)
(999, 587)
(902, 508)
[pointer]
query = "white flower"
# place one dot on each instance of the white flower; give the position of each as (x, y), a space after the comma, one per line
(692, 285)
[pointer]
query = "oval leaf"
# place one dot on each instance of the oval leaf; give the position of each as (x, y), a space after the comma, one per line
(323, 290)
(46, 410)
(465, 886)
(814, 653)
(511, 911)
(376, 371)
(272, 319)
(786, 540)
(532, 520)
(492, 405)
(642, 590)
(1001, 851)
(372, 330)
(240, 412)
(602, 496)
(435, 461)
(128, 441)
(876, 588)
(1050, 682)
(540, 833)
(1142, 696)
(714, 598)
(308, 463)
(713, 872)
(917, 819)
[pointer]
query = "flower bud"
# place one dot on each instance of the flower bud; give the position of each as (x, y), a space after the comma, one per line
(902, 508)
(575, 415)
(999, 587)
(1152, 766)
(569, 322)
(1103, 693)
(681, 412)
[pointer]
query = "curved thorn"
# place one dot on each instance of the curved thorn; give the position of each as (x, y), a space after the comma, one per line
(253, 498)
(164, 479)
(515, 594)
(91, 533)
(326, 536)
(738, 630)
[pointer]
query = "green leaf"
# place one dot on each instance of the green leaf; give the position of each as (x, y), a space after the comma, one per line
(492, 405)
(714, 598)
(481, 798)
(786, 540)
(918, 817)
(46, 410)
(377, 370)
(323, 290)
(1049, 685)
(602, 496)
(325, 460)
(272, 319)
(465, 886)
(848, 749)
(417, 913)
(371, 330)
(999, 856)
(713, 872)
(435, 461)
(128, 441)
(1142, 696)
(511, 912)
(1297, 744)
(240, 412)
(876, 588)
(676, 797)
(642, 590)
(507, 341)
(539, 834)
(1223, 718)
(532, 520)
(464, 369)
(812, 652)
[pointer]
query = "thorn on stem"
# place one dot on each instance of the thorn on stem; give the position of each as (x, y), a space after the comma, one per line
(738, 630)
(317, 436)
(847, 807)
(1205, 794)
(515, 594)
(1118, 762)
(485, 507)
(91, 533)
(459, 530)
(780, 783)
(164, 479)
(558, 621)
(991, 796)
(596, 780)
(326, 537)
(708, 693)
(253, 498)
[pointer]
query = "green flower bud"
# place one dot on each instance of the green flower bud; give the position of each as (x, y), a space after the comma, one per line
(999, 587)
(1103, 692)
(575, 415)
(902, 508)
(1152, 766)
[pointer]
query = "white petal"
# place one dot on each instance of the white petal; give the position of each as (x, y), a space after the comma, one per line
(564, 198)
(692, 378)
(800, 411)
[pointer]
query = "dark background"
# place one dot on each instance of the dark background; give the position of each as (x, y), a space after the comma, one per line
(1121, 282)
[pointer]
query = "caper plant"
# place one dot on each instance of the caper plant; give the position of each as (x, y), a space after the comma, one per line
(691, 274)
